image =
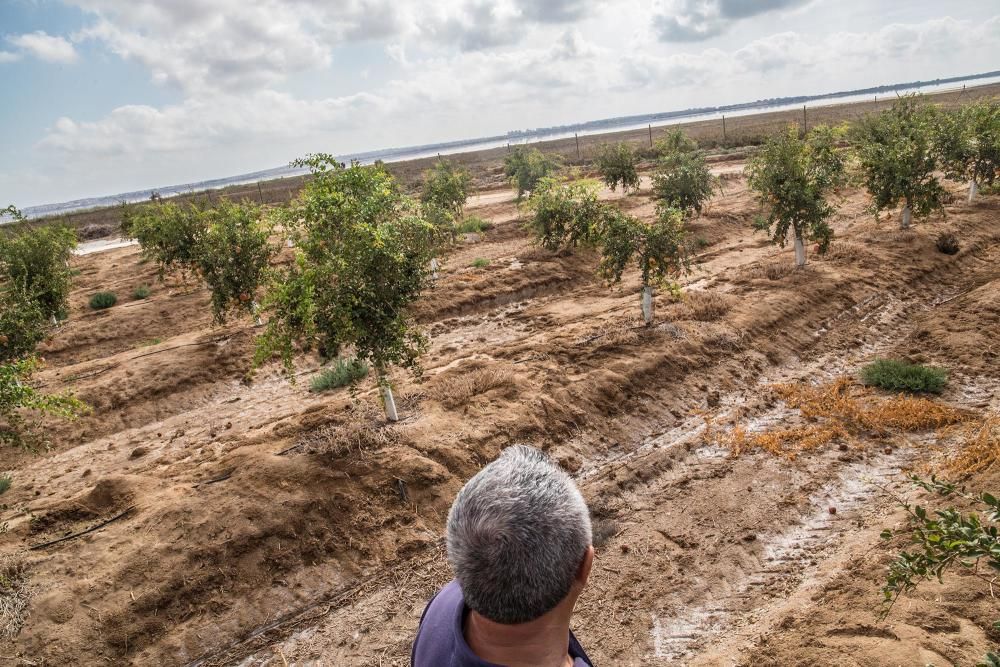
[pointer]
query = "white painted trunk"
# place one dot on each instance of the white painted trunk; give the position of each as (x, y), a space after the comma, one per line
(973, 190)
(647, 304)
(434, 268)
(906, 217)
(390, 404)
(800, 251)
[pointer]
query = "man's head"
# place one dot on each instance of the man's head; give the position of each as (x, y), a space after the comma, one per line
(518, 536)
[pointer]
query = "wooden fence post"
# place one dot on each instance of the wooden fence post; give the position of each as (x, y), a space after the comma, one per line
(577, 145)
(650, 135)
(724, 138)
(260, 193)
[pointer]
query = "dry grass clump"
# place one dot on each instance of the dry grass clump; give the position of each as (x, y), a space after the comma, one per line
(843, 410)
(768, 271)
(980, 448)
(363, 430)
(14, 595)
(704, 306)
(458, 388)
(617, 333)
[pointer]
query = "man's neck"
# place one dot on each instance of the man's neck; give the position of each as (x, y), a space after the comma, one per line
(539, 643)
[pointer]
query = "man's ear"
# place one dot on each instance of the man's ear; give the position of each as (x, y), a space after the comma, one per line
(586, 565)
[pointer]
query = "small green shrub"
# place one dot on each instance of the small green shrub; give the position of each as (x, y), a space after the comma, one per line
(480, 263)
(140, 292)
(341, 374)
(103, 300)
(473, 225)
(5, 482)
(901, 376)
(947, 243)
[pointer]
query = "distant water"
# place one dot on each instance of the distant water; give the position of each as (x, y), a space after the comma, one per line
(547, 134)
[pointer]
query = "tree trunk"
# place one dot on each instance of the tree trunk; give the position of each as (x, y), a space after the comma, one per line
(904, 222)
(800, 250)
(647, 304)
(434, 268)
(973, 190)
(389, 403)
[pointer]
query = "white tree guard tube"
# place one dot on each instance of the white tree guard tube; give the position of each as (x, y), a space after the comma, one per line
(907, 216)
(800, 251)
(434, 268)
(973, 190)
(390, 404)
(255, 309)
(647, 304)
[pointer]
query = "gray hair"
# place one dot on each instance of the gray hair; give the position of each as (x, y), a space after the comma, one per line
(517, 533)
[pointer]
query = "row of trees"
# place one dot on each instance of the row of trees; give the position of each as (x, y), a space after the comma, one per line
(34, 293)
(897, 156)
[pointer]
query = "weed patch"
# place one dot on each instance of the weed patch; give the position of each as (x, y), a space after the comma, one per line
(341, 374)
(140, 292)
(473, 225)
(900, 376)
(5, 482)
(103, 300)
(480, 263)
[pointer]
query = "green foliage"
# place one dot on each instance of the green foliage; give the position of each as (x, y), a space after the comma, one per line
(102, 300)
(16, 393)
(617, 166)
(141, 292)
(659, 249)
(480, 263)
(897, 157)
(792, 178)
(900, 376)
(341, 374)
(944, 539)
(683, 181)
(565, 214)
(675, 142)
(233, 256)
(34, 260)
(473, 225)
(525, 167)
(5, 482)
(968, 141)
(446, 186)
(362, 256)
(168, 233)
(22, 323)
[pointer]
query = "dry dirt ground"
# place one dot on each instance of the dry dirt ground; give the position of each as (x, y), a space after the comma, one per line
(257, 523)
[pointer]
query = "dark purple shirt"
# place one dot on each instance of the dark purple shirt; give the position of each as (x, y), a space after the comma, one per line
(440, 640)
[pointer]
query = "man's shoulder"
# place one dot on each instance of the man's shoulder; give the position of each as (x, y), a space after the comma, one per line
(435, 642)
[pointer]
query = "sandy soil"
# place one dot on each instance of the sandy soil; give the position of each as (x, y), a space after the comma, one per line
(260, 524)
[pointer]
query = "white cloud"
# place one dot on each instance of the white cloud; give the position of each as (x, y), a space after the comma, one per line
(568, 74)
(197, 124)
(697, 20)
(8, 57)
(53, 49)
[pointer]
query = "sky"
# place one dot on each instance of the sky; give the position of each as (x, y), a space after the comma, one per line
(108, 96)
